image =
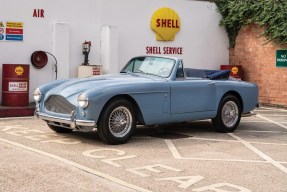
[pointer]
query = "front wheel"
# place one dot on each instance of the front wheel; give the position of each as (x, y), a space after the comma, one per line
(228, 114)
(117, 122)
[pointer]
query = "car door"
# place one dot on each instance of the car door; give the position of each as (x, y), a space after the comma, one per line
(192, 95)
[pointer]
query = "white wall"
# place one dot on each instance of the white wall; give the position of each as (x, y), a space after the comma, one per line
(204, 43)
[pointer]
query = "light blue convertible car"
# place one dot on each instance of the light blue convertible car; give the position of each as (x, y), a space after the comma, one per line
(149, 90)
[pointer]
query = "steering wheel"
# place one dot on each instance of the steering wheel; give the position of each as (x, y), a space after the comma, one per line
(164, 71)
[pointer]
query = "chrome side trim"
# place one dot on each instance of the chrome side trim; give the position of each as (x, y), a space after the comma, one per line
(71, 122)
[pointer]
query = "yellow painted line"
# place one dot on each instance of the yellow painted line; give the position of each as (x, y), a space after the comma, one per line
(236, 141)
(77, 165)
(256, 131)
(260, 153)
(15, 118)
(276, 123)
(175, 153)
(270, 109)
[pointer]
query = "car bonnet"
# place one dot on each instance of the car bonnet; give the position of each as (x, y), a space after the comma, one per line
(72, 88)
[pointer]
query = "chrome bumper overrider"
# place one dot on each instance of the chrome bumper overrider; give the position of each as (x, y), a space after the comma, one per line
(72, 122)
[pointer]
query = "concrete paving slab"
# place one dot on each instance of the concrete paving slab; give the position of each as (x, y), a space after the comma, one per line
(180, 157)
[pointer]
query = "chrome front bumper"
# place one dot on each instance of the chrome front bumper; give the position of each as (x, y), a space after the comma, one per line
(68, 121)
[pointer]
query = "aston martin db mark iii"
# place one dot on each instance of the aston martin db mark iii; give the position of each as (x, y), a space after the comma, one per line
(149, 90)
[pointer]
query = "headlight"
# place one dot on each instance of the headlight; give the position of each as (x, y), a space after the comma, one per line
(83, 100)
(37, 94)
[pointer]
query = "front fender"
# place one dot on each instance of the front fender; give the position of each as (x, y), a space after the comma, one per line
(152, 99)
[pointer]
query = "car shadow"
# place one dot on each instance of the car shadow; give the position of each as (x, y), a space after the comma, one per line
(167, 131)
(174, 131)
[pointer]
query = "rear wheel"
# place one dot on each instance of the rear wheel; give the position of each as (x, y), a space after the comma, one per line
(117, 122)
(228, 114)
(59, 129)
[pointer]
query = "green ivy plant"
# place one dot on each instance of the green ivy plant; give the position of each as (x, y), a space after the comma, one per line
(270, 14)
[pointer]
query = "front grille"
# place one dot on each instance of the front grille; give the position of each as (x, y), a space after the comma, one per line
(59, 104)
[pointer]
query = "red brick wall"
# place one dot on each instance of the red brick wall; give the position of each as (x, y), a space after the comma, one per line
(259, 65)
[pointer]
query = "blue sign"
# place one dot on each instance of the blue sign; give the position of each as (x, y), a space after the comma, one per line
(14, 37)
(1, 37)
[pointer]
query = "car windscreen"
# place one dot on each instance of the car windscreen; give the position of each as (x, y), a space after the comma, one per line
(157, 66)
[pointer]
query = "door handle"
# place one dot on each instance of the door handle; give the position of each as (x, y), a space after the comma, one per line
(211, 83)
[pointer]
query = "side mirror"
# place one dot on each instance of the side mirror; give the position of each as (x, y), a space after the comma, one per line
(179, 73)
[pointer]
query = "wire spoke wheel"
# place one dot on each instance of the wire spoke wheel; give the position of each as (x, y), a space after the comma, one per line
(120, 121)
(230, 113)
(117, 122)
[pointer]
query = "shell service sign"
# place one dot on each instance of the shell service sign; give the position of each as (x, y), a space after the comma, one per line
(165, 22)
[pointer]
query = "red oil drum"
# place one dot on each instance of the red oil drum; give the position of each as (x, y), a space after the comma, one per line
(235, 70)
(15, 85)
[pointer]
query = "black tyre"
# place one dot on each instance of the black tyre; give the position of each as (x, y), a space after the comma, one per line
(59, 129)
(228, 114)
(117, 122)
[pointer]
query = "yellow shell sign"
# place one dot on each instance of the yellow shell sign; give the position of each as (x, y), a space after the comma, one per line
(165, 22)
(234, 70)
(19, 70)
